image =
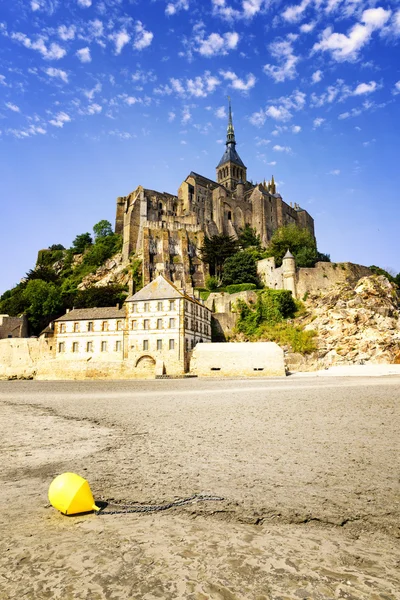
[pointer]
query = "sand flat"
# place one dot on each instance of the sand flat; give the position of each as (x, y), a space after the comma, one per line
(309, 471)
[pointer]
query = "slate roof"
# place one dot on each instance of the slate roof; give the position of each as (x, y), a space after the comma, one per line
(81, 314)
(230, 155)
(158, 289)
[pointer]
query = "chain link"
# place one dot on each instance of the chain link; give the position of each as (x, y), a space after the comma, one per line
(140, 508)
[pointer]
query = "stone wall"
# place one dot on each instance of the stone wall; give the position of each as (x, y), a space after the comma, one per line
(13, 327)
(19, 358)
(321, 278)
(259, 359)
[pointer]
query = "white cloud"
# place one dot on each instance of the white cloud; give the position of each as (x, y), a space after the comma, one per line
(174, 7)
(278, 148)
(307, 27)
(171, 117)
(84, 55)
(346, 47)
(2, 80)
(237, 83)
(262, 142)
(186, 115)
(84, 3)
(294, 13)
(94, 109)
(339, 91)
(66, 33)
(12, 107)
(60, 119)
(281, 110)
(130, 100)
(120, 39)
(296, 128)
(251, 8)
(316, 76)
(216, 44)
(221, 113)
(396, 89)
(95, 29)
(283, 52)
(272, 163)
(369, 143)
(143, 38)
(318, 122)
(334, 172)
(90, 93)
(198, 87)
(52, 52)
(365, 88)
(58, 73)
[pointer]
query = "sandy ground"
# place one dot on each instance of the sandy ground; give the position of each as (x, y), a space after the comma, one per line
(309, 469)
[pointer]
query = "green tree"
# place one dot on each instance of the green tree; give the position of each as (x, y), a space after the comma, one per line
(43, 301)
(42, 272)
(102, 229)
(241, 268)
(108, 295)
(81, 242)
(299, 241)
(248, 238)
(378, 271)
(12, 302)
(216, 250)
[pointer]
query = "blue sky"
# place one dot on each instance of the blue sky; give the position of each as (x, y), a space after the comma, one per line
(99, 96)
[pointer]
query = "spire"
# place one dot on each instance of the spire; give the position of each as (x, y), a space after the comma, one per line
(230, 134)
(273, 186)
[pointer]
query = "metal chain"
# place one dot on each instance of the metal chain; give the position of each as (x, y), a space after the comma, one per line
(139, 508)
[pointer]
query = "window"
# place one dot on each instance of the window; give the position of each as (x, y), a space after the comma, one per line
(134, 307)
(90, 326)
(89, 347)
(172, 344)
(104, 346)
(146, 324)
(119, 325)
(172, 323)
(75, 347)
(192, 344)
(118, 346)
(61, 347)
(145, 344)
(172, 305)
(146, 307)
(104, 326)
(186, 344)
(159, 306)
(186, 323)
(159, 323)
(159, 344)
(62, 328)
(76, 327)
(134, 325)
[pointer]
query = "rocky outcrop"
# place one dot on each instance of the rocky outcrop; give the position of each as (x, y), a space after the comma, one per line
(354, 324)
(113, 272)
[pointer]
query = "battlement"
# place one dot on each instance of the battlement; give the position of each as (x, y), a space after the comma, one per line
(172, 226)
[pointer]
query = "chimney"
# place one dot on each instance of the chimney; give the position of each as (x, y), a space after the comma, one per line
(117, 306)
(67, 310)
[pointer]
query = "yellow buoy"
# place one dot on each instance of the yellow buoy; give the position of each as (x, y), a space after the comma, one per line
(71, 494)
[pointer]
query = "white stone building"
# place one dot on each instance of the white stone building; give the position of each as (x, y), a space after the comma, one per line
(154, 333)
(90, 333)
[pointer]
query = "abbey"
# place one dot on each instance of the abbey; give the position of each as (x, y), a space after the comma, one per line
(167, 231)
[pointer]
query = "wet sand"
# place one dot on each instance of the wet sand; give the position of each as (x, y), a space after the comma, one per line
(309, 470)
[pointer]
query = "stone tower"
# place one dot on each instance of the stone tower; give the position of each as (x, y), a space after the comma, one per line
(289, 273)
(231, 169)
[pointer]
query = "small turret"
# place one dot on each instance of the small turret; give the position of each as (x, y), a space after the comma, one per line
(272, 186)
(289, 273)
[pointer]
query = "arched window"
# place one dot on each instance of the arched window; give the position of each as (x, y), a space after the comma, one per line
(160, 206)
(229, 215)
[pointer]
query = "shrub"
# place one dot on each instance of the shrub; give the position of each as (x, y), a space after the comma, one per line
(240, 287)
(241, 268)
(212, 283)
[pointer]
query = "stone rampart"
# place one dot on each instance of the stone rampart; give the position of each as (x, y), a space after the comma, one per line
(324, 276)
(258, 359)
(19, 357)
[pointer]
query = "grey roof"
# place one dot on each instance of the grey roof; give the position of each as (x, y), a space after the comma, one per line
(288, 254)
(158, 289)
(106, 312)
(230, 155)
(196, 175)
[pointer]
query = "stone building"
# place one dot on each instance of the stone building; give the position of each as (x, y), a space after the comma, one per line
(154, 333)
(13, 327)
(167, 231)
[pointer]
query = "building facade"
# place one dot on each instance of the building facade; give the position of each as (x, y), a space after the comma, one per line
(154, 333)
(167, 231)
(13, 327)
